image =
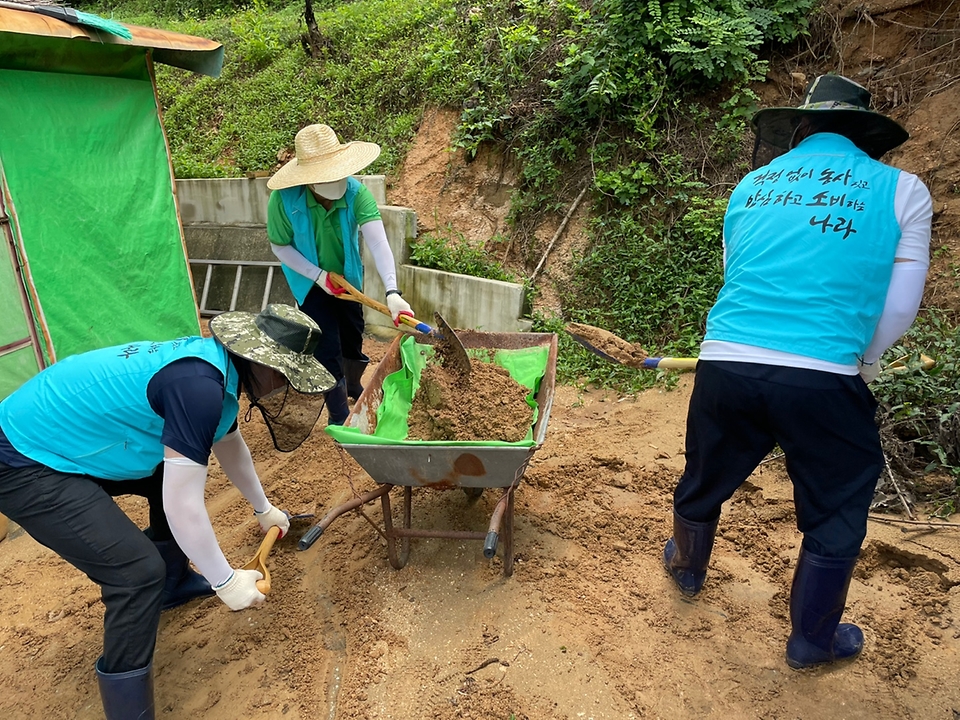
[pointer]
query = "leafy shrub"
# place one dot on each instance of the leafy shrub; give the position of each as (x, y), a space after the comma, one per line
(652, 285)
(451, 252)
(920, 409)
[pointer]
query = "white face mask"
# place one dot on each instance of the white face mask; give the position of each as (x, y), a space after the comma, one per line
(331, 190)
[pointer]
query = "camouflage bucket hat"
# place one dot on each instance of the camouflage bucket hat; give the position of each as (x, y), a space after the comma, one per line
(280, 337)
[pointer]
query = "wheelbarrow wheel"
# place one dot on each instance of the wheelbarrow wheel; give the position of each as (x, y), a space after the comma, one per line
(473, 492)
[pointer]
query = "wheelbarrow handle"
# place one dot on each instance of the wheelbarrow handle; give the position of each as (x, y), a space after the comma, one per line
(356, 296)
(310, 537)
(490, 544)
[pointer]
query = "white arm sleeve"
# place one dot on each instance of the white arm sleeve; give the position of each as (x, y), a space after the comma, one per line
(235, 459)
(913, 208)
(375, 238)
(294, 259)
(183, 485)
(903, 301)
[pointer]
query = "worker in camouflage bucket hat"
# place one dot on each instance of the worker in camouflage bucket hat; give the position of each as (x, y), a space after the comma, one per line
(282, 338)
(142, 419)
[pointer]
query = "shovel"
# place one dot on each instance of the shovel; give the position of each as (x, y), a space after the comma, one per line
(451, 351)
(617, 350)
(259, 561)
(356, 296)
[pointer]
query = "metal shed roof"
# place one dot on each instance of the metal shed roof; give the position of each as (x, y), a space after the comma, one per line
(170, 48)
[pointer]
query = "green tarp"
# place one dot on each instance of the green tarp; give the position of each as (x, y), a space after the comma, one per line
(86, 164)
(527, 366)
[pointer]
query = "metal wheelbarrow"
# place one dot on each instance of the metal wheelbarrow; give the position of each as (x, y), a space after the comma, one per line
(473, 468)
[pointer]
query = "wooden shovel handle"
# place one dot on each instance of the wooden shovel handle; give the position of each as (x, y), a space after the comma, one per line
(353, 294)
(259, 561)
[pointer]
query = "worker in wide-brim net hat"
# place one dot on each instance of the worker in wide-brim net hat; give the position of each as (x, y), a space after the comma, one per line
(143, 419)
(316, 217)
(825, 257)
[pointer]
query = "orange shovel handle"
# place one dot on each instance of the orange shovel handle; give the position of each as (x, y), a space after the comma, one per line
(259, 561)
(353, 294)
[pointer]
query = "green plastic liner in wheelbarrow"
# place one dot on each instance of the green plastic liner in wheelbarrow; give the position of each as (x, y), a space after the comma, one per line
(526, 365)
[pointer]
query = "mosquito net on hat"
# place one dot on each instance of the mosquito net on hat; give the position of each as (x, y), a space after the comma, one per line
(289, 415)
(273, 354)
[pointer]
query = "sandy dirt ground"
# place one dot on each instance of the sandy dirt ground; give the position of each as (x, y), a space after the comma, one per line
(588, 626)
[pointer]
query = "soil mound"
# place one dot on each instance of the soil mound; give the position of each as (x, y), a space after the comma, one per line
(491, 406)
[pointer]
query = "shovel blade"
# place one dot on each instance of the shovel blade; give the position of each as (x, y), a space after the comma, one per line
(453, 355)
(607, 345)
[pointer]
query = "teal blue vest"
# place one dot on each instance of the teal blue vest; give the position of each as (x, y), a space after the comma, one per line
(810, 243)
(305, 237)
(88, 414)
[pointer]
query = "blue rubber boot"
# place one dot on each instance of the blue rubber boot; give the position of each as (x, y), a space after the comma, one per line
(126, 695)
(817, 600)
(687, 554)
(337, 407)
(182, 583)
(353, 374)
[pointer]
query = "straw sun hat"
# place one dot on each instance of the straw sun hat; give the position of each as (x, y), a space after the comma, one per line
(321, 158)
(840, 101)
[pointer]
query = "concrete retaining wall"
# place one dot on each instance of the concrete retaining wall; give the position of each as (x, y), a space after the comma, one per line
(225, 220)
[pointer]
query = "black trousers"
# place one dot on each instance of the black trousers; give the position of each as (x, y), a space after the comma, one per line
(75, 516)
(823, 422)
(341, 329)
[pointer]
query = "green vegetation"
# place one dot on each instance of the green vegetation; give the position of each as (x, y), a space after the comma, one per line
(451, 252)
(642, 103)
(920, 408)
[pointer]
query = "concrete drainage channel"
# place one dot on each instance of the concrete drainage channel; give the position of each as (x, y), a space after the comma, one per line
(224, 224)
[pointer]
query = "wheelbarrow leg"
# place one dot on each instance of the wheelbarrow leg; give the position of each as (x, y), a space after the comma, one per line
(508, 536)
(396, 560)
(407, 517)
(502, 513)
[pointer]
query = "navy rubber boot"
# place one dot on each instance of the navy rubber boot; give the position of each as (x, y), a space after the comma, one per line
(337, 407)
(687, 554)
(817, 600)
(126, 695)
(353, 374)
(182, 583)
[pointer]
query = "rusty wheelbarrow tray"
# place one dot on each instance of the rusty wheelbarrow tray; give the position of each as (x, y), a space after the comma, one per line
(469, 467)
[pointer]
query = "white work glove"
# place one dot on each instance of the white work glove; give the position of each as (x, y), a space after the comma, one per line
(272, 516)
(239, 591)
(398, 306)
(868, 372)
(326, 284)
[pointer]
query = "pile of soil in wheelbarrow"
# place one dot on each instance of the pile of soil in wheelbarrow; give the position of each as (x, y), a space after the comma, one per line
(492, 406)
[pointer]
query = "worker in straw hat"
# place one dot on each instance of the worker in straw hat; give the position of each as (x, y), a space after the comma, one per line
(142, 419)
(315, 218)
(825, 259)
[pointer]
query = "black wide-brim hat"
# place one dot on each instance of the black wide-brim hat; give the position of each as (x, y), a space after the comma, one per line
(836, 97)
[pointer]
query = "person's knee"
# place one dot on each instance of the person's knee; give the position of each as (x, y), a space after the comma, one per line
(148, 575)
